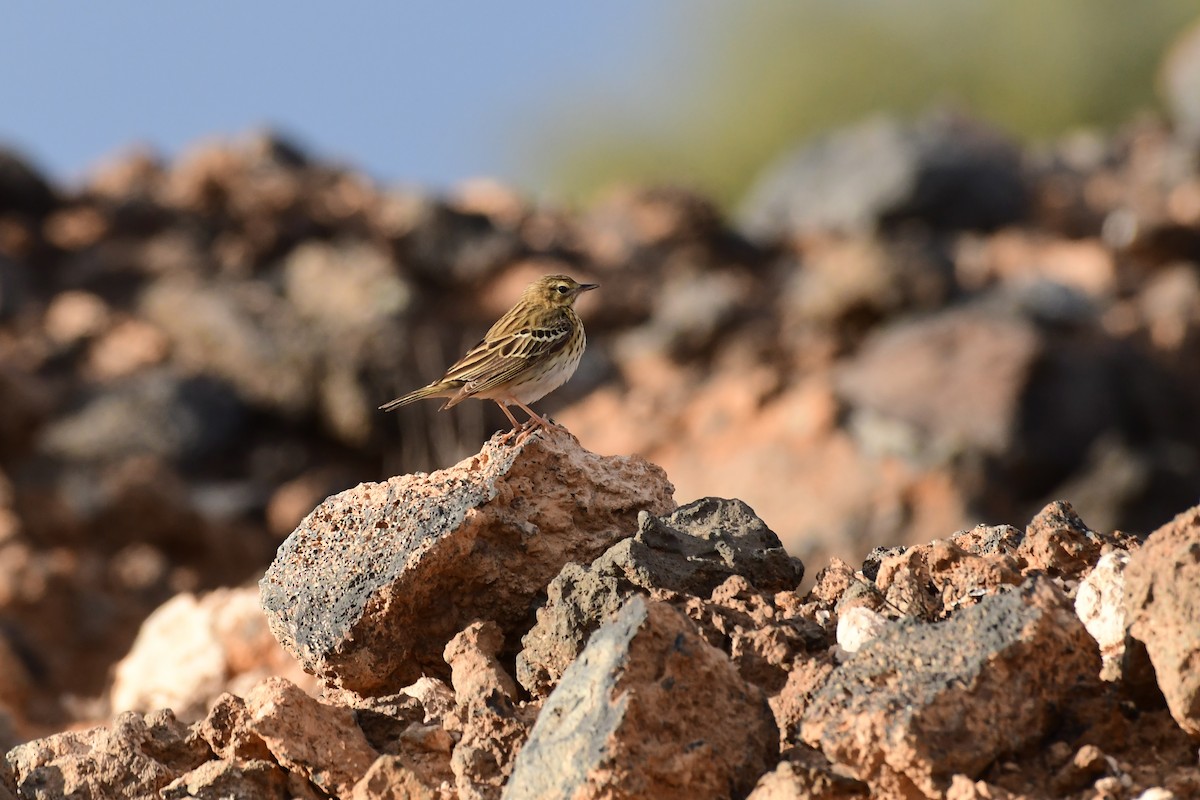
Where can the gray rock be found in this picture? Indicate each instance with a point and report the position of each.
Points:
(942, 170)
(176, 418)
(907, 712)
(370, 587)
(645, 712)
(690, 552)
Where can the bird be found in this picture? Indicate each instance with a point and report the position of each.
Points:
(531, 351)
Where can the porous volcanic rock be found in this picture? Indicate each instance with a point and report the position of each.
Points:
(690, 552)
(1162, 599)
(910, 710)
(373, 584)
(133, 758)
(645, 711)
(319, 742)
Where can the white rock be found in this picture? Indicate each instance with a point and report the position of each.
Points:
(857, 626)
(1099, 605)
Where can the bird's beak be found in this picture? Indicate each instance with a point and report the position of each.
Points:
(587, 287)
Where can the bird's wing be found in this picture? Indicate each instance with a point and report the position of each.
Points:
(499, 358)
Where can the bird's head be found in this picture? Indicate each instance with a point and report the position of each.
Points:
(557, 290)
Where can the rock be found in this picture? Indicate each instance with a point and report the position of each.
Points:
(453, 247)
(371, 586)
(930, 581)
(805, 773)
(1058, 542)
(790, 703)
(942, 170)
(857, 626)
(14, 287)
(963, 788)
(1088, 764)
(476, 673)
(226, 780)
(1162, 601)
(690, 552)
(494, 728)
(644, 712)
(390, 778)
(763, 634)
(191, 649)
(133, 758)
(242, 334)
(849, 284)
(345, 286)
(907, 713)
(1099, 604)
(227, 730)
(178, 419)
(956, 379)
(319, 742)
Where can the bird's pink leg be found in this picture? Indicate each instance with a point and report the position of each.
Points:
(507, 413)
(535, 417)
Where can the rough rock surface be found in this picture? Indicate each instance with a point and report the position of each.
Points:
(191, 650)
(1162, 599)
(322, 743)
(193, 349)
(908, 713)
(133, 758)
(371, 586)
(644, 712)
(690, 552)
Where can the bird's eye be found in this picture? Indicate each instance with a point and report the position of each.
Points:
(561, 289)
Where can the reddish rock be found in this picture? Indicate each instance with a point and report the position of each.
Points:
(227, 730)
(494, 730)
(390, 778)
(319, 742)
(244, 780)
(493, 726)
(805, 774)
(1162, 600)
(908, 712)
(763, 634)
(644, 712)
(476, 673)
(133, 758)
(371, 586)
(691, 552)
(929, 581)
(957, 378)
(192, 649)
(790, 703)
(1058, 542)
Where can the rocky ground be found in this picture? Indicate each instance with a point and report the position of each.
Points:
(538, 621)
(909, 329)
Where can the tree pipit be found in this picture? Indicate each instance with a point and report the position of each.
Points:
(531, 351)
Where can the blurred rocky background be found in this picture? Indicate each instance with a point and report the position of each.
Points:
(901, 326)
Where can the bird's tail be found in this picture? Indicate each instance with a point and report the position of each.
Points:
(442, 389)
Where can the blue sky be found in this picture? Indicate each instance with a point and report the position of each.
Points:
(426, 93)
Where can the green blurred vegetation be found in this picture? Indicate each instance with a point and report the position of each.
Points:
(734, 84)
